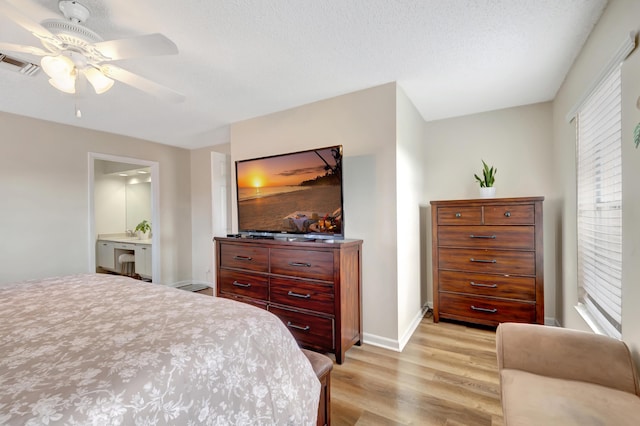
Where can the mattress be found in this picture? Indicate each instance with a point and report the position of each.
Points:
(106, 349)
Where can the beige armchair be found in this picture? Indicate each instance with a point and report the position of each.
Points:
(558, 376)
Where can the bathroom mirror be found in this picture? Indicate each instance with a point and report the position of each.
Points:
(138, 202)
(122, 196)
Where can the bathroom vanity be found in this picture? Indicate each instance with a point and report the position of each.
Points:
(110, 247)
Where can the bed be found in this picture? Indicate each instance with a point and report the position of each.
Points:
(106, 349)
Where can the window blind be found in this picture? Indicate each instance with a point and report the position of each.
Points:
(599, 203)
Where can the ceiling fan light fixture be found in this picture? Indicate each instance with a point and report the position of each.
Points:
(66, 85)
(57, 66)
(71, 49)
(100, 82)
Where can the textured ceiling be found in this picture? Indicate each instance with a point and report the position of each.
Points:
(246, 58)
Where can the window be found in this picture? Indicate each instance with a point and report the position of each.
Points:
(599, 204)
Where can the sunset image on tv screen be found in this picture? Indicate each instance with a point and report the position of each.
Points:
(292, 193)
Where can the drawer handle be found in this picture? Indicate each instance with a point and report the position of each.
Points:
(298, 327)
(483, 285)
(301, 296)
(301, 264)
(244, 258)
(491, 311)
(490, 237)
(458, 214)
(507, 214)
(238, 284)
(483, 260)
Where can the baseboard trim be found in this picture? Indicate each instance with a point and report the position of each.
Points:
(412, 328)
(396, 345)
(381, 342)
(551, 321)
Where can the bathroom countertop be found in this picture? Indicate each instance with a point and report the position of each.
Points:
(122, 238)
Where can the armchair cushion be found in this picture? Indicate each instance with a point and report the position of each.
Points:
(531, 399)
(557, 376)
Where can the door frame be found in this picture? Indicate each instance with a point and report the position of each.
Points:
(220, 204)
(155, 208)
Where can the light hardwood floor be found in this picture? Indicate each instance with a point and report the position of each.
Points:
(446, 375)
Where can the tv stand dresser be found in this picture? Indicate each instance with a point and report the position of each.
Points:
(488, 260)
(313, 286)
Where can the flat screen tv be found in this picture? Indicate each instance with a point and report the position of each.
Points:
(295, 193)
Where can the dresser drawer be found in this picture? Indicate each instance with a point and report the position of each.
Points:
(504, 237)
(303, 263)
(300, 294)
(509, 215)
(254, 302)
(244, 284)
(521, 288)
(460, 215)
(309, 330)
(485, 309)
(244, 257)
(488, 261)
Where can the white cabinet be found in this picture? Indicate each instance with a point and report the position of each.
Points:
(105, 257)
(109, 250)
(143, 260)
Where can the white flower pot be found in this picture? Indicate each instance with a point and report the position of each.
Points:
(489, 192)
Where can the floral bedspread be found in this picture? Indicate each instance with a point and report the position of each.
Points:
(100, 349)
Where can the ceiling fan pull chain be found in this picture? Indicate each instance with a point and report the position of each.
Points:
(76, 109)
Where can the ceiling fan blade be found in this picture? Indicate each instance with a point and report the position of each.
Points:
(24, 21)
(10, 47)
(145, 45)
(141, 83)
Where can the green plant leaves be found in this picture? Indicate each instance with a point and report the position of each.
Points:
(143, 226)
(488, 176)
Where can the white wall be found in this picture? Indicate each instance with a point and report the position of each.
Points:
(364, 123)
(518, 141)
(619, 18)
(409, 198)
(44, 188)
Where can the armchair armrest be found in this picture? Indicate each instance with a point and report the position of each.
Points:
(566, 354)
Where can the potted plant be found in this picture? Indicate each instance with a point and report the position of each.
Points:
(487, 190)
(143, 229)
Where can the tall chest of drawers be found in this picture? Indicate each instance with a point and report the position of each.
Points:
(313, 287)
(488, 260)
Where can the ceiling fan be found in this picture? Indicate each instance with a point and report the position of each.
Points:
(72, 52)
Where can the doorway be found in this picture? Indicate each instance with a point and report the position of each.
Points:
(143, 186)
